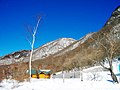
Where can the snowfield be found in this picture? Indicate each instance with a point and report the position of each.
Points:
(93, 79)
(57, 84)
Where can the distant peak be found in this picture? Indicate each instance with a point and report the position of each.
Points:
(67, 39)
(118, 8)
(115, 16)
(116, 12)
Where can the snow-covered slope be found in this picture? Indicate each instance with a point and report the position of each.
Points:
(39, 53)
(75, 44)
(52, 48)
(93, 79)
(14, 57)
(115, 16)
(57, 47)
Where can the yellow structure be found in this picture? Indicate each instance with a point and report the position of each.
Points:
(44, 74)
(41, 74)
(47, 76)
(34, 76)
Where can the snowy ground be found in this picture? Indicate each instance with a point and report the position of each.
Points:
(93, 79)
(57, 84)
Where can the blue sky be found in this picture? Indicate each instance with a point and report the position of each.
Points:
(60, 18)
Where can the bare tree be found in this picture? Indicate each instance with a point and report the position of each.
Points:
(31, 42)
(110, 46)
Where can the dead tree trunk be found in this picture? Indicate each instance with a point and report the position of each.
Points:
(113, 76)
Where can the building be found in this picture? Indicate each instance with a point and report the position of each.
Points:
(44, 74)
(40, 74)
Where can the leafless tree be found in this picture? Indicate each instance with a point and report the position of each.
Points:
(31, 42)
(110, 45)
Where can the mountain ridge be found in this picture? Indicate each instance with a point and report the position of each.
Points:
(43, 51)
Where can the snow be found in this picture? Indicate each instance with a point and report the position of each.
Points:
(57, 84)
(118, 9)
(105, 83)
(76, 44)
(52, 47)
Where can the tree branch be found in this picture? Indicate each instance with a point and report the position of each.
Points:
(103, 66)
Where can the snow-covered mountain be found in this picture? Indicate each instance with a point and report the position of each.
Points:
(115, 16)
(75, 44)
(57, 47)
(14, 57)
(88, 50)
(52, 48)
(39, 53)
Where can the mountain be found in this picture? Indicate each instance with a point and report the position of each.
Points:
(75, 44)
(52, 48)
(87, 51)
(115, 17)
(14, 57)
(67, 53)
(39, 53)
(57, 47)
